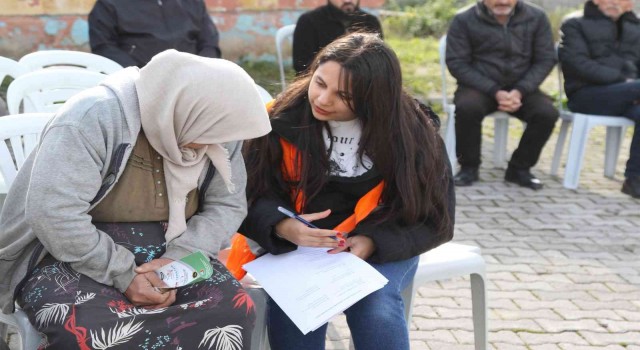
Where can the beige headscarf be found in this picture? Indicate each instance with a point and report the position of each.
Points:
(190, 99)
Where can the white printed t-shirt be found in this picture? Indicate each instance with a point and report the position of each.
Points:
(343, 159)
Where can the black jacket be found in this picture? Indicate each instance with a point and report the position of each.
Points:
(130, 32)
(317, 28)
(595, 50)
(394, 241)
(487, 56)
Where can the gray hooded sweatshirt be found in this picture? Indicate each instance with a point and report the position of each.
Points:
(81, 155)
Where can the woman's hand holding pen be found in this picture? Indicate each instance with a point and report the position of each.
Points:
(360, 246)
(302, 235)
(144, 289)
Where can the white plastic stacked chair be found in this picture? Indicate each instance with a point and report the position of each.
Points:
(22, 131)
(11, 68)
(500, 119)
(582, 125)
(284, 33)
(46, 90)
(63, 58)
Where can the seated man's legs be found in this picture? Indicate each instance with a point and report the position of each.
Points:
(631, 184)
(621, 100)
(540, 115)
(471, 108)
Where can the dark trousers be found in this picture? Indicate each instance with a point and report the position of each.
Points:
(472, 106)
(613, 100)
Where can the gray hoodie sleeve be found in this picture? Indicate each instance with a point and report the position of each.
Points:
(64, 179)
(221, 215)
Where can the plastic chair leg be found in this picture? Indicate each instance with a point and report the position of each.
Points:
(479, 305)
(450, 136)
(612, 149)
(557, 153)
(259, 336)
(575, 157)
(501, 130)
(407, 297)
(29, 336)
(4, 332)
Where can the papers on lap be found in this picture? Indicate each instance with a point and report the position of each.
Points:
(311, 286)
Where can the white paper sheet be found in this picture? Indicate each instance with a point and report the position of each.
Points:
(311, 286)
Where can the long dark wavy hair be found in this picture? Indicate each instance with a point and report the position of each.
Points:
(397, 135)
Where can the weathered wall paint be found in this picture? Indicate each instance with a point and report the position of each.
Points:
(247, 27)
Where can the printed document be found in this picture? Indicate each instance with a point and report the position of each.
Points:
(311, 286)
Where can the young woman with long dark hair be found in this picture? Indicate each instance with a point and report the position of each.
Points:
(361, 159)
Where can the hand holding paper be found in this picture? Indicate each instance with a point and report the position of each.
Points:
(311, 286)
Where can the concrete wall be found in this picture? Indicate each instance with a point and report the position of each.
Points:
(247, 27)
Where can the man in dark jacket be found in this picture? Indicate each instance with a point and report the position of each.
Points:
(130, 32)
(600, 54)
(500, 51)
(317, 28)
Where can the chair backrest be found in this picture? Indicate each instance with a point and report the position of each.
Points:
(284, 33)
(63, 58)
(46, 90)
(442, 51)
(264, 94)
(22, 132)
(11, 68)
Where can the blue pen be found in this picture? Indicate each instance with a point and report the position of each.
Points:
(297, 217)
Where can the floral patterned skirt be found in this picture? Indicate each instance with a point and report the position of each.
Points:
(76, 312)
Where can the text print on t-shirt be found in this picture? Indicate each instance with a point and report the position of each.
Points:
(344, 139)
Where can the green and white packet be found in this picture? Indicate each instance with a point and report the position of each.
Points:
(192, 268)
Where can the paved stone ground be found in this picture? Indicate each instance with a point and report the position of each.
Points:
(562, 265)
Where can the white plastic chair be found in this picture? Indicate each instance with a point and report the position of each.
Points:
(582, 125)
(447, 261)
(46, 90)
(500, 119)
(9, 67)
(30, 338)
(264, 94)
(63, 58)
(22, 131)
(452, 260)
(284, 33)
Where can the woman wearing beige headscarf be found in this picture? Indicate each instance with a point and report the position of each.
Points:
(128, 177)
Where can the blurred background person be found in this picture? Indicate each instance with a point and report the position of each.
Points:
(315, 29)
(130, 32)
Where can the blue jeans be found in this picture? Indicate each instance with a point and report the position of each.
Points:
(621, 99)
(376, 322)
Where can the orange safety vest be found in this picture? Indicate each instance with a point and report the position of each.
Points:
(240, 253)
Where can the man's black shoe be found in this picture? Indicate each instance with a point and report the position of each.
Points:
(631, 186)
(523, 177)
(466, 176)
